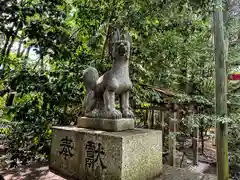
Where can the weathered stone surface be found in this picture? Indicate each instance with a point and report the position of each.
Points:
(101, 91)
(64, 162)
(106, 124)
(128, 155)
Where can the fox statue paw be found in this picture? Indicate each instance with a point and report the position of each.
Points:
(127, 113)
(113, 114)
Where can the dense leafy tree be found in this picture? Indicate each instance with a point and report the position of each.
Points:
(172, 48)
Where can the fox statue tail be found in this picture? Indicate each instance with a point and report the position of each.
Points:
(90, 77)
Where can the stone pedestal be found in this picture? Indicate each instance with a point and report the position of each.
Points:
(106, 124)
(84, 154)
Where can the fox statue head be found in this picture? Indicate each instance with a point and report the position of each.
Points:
(121, 45)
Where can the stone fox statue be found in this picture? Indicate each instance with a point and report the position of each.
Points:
(101, 91)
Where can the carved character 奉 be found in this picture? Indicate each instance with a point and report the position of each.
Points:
(101, 91)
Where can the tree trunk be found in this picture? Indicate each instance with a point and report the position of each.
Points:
(202, 139)
(8, 35)
(12, 40)
(42, 64)
(26, 58)
(10, 46)
(3, 52)
(5, 46)
(195, 145)
(19, 47)
(41, 60)
(10, 99)
(27, 53)
(221, 91)
(107, 41)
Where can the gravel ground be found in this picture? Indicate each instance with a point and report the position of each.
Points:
(170, 173)
(41, 172)
(30, 172)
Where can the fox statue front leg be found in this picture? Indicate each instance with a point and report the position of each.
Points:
(89, 102)
(125, 108)
(109, 105)
(93, 105)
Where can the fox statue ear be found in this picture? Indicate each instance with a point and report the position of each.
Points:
(129, 38)
(116, 36)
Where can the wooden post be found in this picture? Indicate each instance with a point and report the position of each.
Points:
(146, 119)
(172, 140)
(221, 91)
(195, 145)
(195, 139)
(149, 121)
(162, 125)
(152, 119)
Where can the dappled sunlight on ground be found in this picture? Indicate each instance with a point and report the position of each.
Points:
(41, 172)
(30, 172)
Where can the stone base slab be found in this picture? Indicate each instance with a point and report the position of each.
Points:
(106, 124)
(84, 154)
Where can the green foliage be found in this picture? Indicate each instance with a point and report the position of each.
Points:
(234, 138)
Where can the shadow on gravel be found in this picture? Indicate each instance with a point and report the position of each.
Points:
(38, 171)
